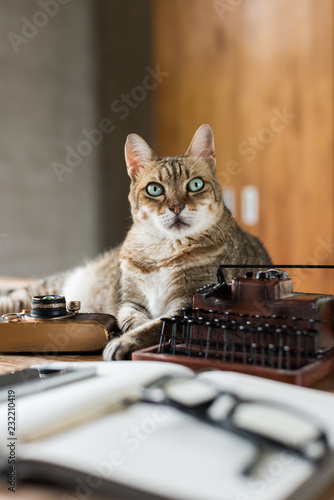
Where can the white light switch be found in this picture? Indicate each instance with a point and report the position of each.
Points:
(250, 205)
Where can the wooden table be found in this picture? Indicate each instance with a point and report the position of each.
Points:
(12, 363)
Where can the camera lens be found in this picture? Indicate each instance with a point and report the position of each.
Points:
(48, 306)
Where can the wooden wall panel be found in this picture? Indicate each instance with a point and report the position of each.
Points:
(261, 74)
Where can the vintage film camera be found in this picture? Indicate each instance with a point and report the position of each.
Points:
(257, 325)
(52, 326)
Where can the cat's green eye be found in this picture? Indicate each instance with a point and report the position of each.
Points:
(195, 185)
(154, 189)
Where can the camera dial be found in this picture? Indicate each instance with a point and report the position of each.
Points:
(51, 307)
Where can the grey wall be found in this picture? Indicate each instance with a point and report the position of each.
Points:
(63, 80)
(124, 51)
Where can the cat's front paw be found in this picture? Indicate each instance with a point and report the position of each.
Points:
(144, 336)
(120, 348)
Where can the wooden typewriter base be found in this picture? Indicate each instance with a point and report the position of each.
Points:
(305, 376)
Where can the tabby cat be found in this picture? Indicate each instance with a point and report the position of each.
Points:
(181, 232)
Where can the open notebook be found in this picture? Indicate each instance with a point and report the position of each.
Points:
(148, 451)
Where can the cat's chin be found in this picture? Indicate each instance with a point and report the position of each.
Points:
(178, 230)
(179, 225)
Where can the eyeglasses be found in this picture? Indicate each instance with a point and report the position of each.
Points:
(264, 423)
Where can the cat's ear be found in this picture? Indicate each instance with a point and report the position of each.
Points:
(137, 155)
(203, 146)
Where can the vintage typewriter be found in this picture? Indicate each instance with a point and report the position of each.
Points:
(256, 325)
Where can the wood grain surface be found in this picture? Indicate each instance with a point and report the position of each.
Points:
(10, 363)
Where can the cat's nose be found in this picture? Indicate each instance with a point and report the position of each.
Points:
(176, 209)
